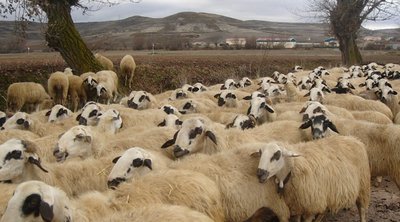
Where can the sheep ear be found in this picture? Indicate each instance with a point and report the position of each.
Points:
(103, 89)
(303, 110)
(217, 95)
(168, 143)
(289, 153)
(115, 160)
(308, 94)
(306, 124)
(269, 108)
(351, 86)
(178, 122)
(147, 98)
(78, 117)
(362, 85)
(248, 110)
(230, 125)
(212, 137)
(331, 126)
(393, 92)
(183, 112)
(36, 162)
(162, 123)
(247, 98)
(46, 211)
(48, 113)
(256, 154)
(223, 87)
(147, 163)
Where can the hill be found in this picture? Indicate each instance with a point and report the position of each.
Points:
(185, 26)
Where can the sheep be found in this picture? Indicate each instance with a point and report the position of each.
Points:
(23, 121)
(297, 68)
(109, 122)
(261, 111)
(200, 135)
(107, 86)
(316, 94)
(57, 85)
(196, 105)
(232, 171)
(389, 97)
(263, 214)
(244, 82)
(229, 84)
(76, 92)
(243, 122)
(198, 87)
(356, 103)
(179, 187)
(141, 100)
(25, 93)
(106, 63)
(168, 109)
(79, 142)
(89, 85)
(171, 120)
(127, 67)
(179, 94)
(227, 98)
(89, 114)
(58, 113)
(68, 71)
(380, 141)
(310, 190)
(135, 162)
(140, 118)
(37, 201)
(187, 88)
(22, 163)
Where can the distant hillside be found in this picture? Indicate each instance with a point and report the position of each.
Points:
(138, 31)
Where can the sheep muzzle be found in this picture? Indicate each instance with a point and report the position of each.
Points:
(262, 175)
(179, 152)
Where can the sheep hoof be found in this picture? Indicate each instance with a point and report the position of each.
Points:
(280, 191)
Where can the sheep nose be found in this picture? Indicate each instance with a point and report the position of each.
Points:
(179, 152)
(305, 117)
(82, 121)
(262, 175)
(221, 102)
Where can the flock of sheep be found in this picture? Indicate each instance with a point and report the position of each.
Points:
(237, 151)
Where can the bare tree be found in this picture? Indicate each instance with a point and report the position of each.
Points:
(346, 17)
(61, 33)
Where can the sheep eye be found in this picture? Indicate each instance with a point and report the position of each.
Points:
(141, 98)
(93, 113)
(20, 121)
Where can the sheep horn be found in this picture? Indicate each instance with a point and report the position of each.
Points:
(37, 162)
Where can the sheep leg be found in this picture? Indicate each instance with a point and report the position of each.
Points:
(320, 217)
(362, 211)
(308, 218)
(130, 81)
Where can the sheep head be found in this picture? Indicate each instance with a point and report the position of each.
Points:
(76, 142)
(134, 161)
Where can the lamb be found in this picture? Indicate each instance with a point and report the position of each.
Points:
(380, 142)
(133, 163)
(312, 191)
(200, 135)
(107, 87)
(25, 93)
(58, 84)
(104, 61)
(127, 67)
(232, 171)
(58, 113)
(22, 163)
(76, 92)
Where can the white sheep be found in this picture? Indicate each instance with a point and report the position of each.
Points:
(242, 122)
(201, 135)
(380, 141)
(107, 86)
(127, 67)
(89, 114)
(310, 190)
(58, 113)
(233, 170)
(25, 93)
(135, 162)
(104, 61)
(229, 84)
(109, 122)
(20, 162)
(57, 85)
(171, 120)
(89, 85)
(76, 92)
(141, 100)
(261, 110)
(3, 118)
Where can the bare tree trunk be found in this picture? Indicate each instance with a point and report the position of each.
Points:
(350, 53)
(62, 36)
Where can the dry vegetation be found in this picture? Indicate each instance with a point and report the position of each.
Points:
(168, 70)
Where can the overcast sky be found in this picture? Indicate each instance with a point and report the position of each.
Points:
(268, 10)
